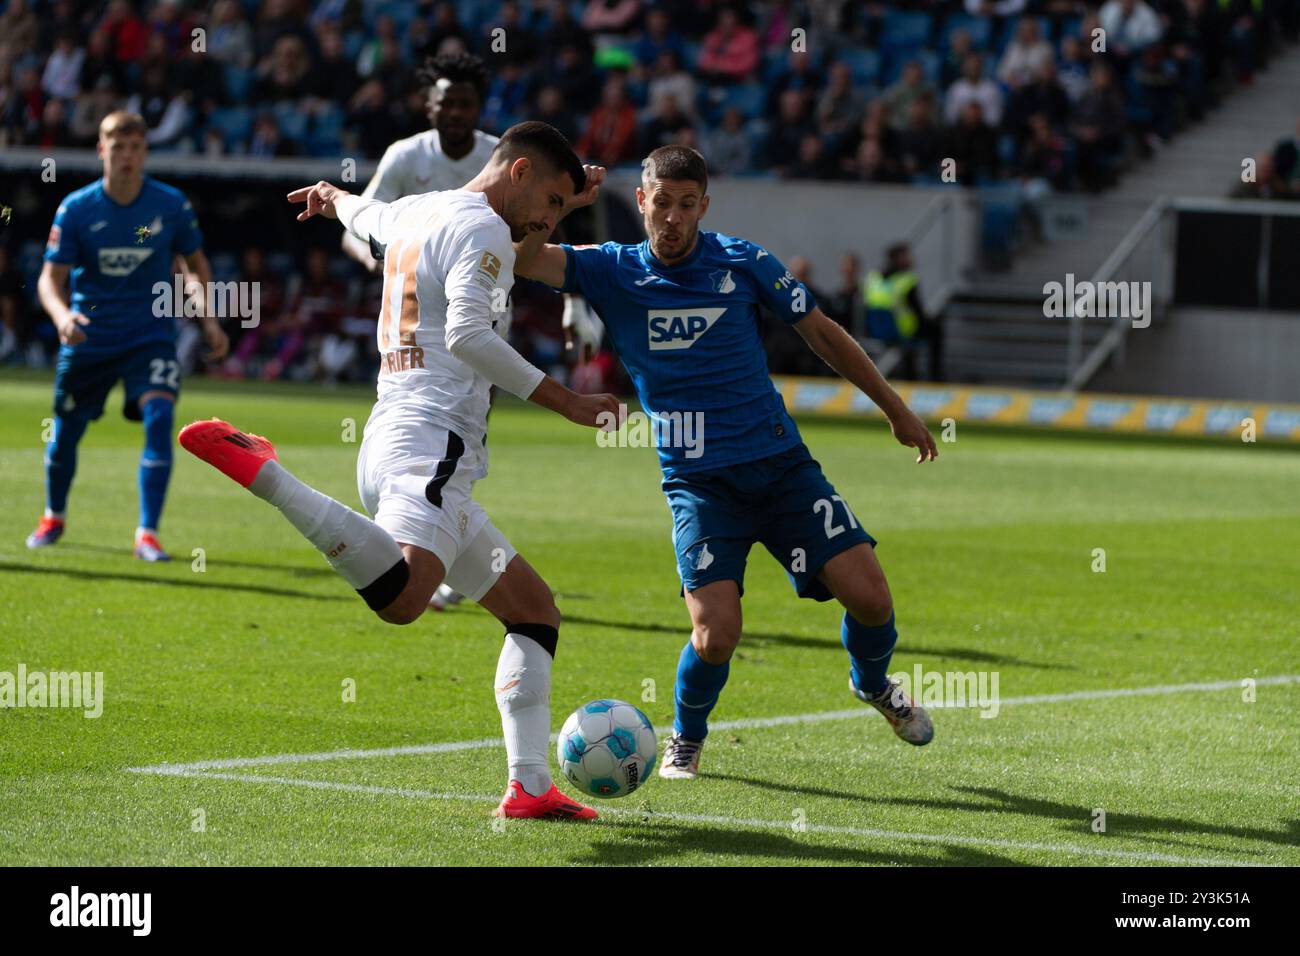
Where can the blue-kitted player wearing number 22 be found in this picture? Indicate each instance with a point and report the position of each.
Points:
(117, 239)
(682, 310)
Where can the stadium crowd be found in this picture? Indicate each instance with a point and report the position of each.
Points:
(1021, 92)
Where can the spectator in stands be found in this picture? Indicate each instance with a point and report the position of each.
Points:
(1130, 26)
(267, 140)
(90, 110)
(285, 74)
(960, 48)
(1041, 164)
(799, 73)
(166, 110)
(659, 36)
(995, 8)
(62, 76)
(520, 46)
(168, 20)
(1042, 96)
(21, 112)
(1073, 71)
(730, 53)
(1097, 125)
(666, 120)
(128, 32)
(841, 106)
(610, 138)
(1025, 56)
(230, 36)
(335, 75)
(667, 78)
(906, 90)
(13, 331)
(729, 151)
(563, 30)
(374, 125)
(1267, 182)
(275, 19)
(53, 131)
(19, 28)
(551, 109)
(571, 73)
(921, 142)
(973, 87)
(610, 17)
(787, 132)
(507, 97)
(814, 160)
(973, 144)
(1155, 85)
(876, 125)
(845, 304)
(100, 61)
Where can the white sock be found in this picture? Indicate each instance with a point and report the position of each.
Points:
(356, 547)
(523, 687)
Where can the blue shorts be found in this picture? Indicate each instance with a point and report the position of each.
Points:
(783, 502)
(82, 380)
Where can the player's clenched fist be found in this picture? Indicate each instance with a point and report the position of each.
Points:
(320, 200)
(594, 411)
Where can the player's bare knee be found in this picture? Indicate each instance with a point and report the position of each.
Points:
(715, 641)
(871, 605)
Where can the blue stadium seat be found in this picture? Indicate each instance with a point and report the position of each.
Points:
(352, 44)
(747, 97)
(865, 65)
(292, 121)
(225, 266)
(1009, 31)
(235, 123)
(326, 135)
(905, 31)
(929, 60)
(280, 263)
(239, 83)
(979, 28)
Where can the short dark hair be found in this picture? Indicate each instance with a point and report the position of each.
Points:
(455, 68)
(676, 162)
(541, 141)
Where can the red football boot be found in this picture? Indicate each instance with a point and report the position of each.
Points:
(551, 805)
(236, 455)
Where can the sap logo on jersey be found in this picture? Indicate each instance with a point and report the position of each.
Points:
(121, 260)
(680, 328)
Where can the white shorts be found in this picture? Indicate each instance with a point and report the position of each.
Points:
(415, 479)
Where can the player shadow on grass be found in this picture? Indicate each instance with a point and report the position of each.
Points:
(1142, 827)
(296, 571)
(754, 640)
(652, 840)
(186, 582)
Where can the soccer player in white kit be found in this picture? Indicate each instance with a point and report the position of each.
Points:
(444, 157)
(448, 270)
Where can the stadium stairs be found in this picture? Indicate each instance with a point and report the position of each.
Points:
(995, 328)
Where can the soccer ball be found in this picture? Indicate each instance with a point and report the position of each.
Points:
(606, 748)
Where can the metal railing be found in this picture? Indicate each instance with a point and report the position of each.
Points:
(1147, 254)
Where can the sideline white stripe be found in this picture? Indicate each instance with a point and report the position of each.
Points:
(744, 724)
(753, 824)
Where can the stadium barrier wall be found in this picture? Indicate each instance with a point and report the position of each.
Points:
(1130, 414)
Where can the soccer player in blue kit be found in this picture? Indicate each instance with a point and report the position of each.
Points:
(117, 238)
(682, 310)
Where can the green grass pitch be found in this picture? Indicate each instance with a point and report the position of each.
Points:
(990, 554)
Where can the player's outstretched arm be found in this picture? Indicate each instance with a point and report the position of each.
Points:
(841, 352)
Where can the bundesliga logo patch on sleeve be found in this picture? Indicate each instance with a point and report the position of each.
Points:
(490, 264)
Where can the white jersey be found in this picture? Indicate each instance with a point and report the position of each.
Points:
(448, 271)
(417, 164)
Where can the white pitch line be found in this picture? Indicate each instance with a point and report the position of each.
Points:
(743, 724)
(751, 824)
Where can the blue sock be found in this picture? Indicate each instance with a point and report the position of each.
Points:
(156, 460)
(698, 685)
(61, 460)
(870, 649)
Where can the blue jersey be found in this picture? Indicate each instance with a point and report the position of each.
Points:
(118, 255)
(689, 336)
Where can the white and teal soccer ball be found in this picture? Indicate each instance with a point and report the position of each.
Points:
(607, 748)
